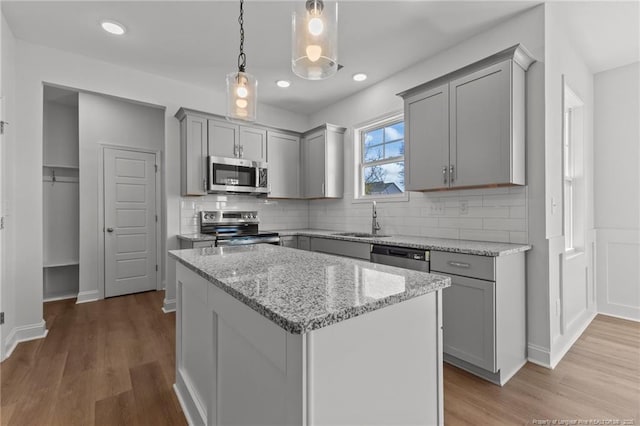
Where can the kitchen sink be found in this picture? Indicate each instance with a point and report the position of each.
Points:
(360, 235)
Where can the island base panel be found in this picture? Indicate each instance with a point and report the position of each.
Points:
(236, 367)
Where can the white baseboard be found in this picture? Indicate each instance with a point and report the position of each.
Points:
(88, 296)
(557, 356)
(61, 297)
(607, 314)
(539, 355)
(24, 333)
(169, 306)
(189, 406)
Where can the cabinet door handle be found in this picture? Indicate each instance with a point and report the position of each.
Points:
(444, 174)
(109, 229)
(459, 264)
(235, 150)
(241, 151)
(452, 174)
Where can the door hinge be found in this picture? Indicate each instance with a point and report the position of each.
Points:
(1, 223)
(1, 318)
(156, 267)
(156, 218)
(2, 124)
(156, 166)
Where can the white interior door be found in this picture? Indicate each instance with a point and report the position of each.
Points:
(130, 221)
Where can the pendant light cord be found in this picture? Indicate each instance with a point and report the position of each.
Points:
(242, 58)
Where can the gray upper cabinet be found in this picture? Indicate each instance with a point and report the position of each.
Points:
(252, 144)
(467, 128)
(283, 156)
(303, 166)
(223, 138)
(481, 130)
(232, 140)
(427, 126)
(323, 162)
(193, 154)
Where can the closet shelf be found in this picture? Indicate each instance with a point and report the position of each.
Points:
(61, 264)
(60, 166)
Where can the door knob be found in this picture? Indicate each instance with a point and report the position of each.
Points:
(109, 229)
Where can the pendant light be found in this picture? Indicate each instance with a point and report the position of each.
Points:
(242, 87)
(315, 39)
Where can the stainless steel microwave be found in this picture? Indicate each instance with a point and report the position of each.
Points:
(237, 175)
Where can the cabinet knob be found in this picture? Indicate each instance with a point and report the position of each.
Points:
(452, 174)
(109, 229)
(444, 174)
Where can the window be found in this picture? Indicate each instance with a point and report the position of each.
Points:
(381, 159)
(573, 171)
(568, 182)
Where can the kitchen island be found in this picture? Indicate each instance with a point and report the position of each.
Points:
(272, 335)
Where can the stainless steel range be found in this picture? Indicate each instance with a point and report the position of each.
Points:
(235, 228)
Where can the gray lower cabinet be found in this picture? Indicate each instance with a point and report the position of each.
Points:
(484, 313)
(341, 248)
(468, 309)
(289, 241)
(184, 244)
(283, 157)
(304, 243)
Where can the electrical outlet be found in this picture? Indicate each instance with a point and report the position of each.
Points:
(464, 207)
(437, 208)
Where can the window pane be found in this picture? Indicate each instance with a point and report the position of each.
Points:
(394, 132)
(373, 137)
(394, 149)
(374, 153)
(385, 179)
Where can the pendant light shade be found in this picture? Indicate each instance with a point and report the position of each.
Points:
(315, 39)
(242, 94)
(242, 87)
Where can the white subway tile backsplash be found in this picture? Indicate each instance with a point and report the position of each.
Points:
(505, 224)
(484, 235)
(467, 223)
(493, 214)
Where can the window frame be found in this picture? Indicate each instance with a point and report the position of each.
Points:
(572, 110)
(359, 164)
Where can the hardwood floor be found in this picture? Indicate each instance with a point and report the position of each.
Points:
(598, 379)
(112, 363)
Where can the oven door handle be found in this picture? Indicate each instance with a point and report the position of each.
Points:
(247, 241)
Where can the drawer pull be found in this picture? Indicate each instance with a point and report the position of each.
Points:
(459, 264)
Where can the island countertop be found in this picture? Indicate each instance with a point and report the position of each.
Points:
(302, 291)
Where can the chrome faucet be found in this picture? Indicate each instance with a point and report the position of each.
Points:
(375, 226)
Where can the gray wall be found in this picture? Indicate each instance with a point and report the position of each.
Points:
(103, 121)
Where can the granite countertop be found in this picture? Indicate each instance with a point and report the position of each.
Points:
(480, 248)
(303, 291)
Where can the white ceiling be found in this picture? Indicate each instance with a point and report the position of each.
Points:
(197, 41)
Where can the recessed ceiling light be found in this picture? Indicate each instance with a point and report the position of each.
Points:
(283, 83)
(359, 76)
(113, 27)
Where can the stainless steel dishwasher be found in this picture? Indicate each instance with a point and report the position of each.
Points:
(402, 257)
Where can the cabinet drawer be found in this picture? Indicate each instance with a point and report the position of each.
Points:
(204, 244)
(467, 265)
(341, 248)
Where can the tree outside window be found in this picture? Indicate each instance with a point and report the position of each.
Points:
(382, 159)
